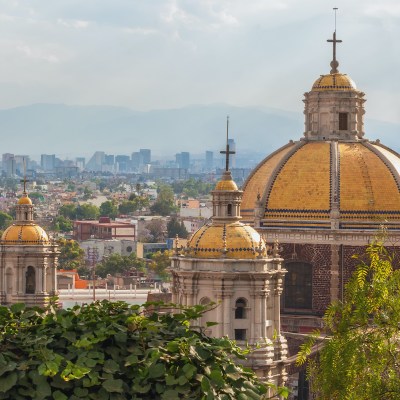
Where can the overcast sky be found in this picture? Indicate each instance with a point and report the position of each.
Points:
(152, 54)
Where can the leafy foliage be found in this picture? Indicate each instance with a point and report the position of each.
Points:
(164, 205)
(62, 224)
(174, 227)
(192, 187)
(114, 351)
(361, 357)
(71, 254)
(5, 220)
(160, 262)
(108, 209)
(115, 263)
(84, 211)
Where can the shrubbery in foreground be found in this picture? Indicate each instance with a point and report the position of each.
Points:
(115, 351)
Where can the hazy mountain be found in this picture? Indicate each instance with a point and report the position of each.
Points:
(81, 130)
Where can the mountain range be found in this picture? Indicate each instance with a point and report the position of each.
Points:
(70, 131)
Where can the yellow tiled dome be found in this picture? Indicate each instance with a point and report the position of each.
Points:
(28, 234)
(296, 186)
(337, 81)
(25, 200)
(226, 185)
(231, 240)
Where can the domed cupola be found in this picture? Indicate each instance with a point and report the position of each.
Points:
(334, 108)
(225, 236)
(24, 230)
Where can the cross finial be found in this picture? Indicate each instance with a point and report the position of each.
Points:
(24, 181)
(334, 62)
(227, 152)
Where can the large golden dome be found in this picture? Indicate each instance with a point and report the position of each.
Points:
(229, 240)
(335, 81)
(25, 234)
(308, 183)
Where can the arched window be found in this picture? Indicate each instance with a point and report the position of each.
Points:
(30, 281)
(297, 292)
(240, 308)
(229, 210)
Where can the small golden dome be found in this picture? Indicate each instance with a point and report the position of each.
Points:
(332, 82)
(30, 234)
(226, 185)
(25, 200)
(234, 241)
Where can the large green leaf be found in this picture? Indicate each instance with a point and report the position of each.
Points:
(8, 381)
(113, 385)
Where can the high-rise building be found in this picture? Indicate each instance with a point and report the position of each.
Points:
(96, 162)
(183, 159)
(80, 163)
(48, 162)
(146, 155)
(8, 164)
(136, 161)
(209, 164)
(123, 163)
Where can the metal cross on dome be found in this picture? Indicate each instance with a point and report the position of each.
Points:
(25, 180)
(227, 152)
(334, 63)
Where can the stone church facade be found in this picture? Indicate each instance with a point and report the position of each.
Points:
(324, 197)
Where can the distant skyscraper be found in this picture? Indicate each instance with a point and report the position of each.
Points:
(209, 165)
(136, 161)
(48, 162)
(122, 162)
(109, 159)
(80, 163)
(146, 155)
(183, 159)
(96, 162)
(8, 162)
(22, 163)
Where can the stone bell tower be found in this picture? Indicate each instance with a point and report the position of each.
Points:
(228, 263)
(28, 259)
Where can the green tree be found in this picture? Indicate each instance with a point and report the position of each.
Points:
(83, 211)
(108, 209)
(174, 227)
(160, 262)
(108, 350)
(5, 220)
(165, 203)
(87, 211)
(115, 263)
(361, 354)
(68, 211)
(62, 224)
(71, 254)
(36, 197)
(127, 207)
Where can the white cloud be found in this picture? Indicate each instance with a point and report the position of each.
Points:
(76, 24)
(37, 53)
